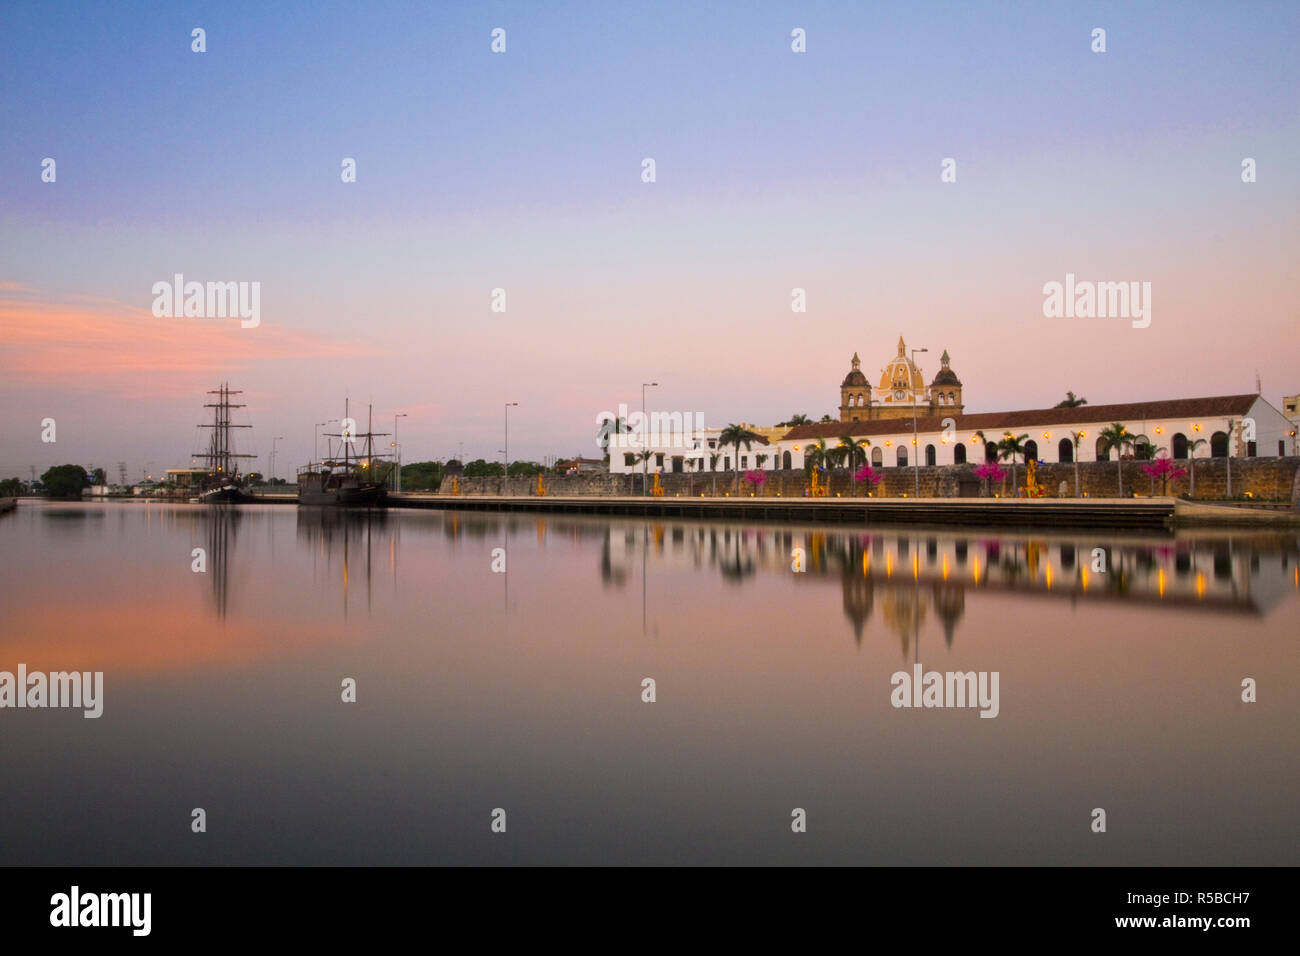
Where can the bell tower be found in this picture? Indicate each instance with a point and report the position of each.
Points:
(855, 394)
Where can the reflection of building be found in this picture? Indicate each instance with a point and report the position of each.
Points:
(908, 573)
(949, 604)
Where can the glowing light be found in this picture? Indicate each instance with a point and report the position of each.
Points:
(1048, 575)
(945, 567)
(1200, 585)
(889, 565)
(1160, 582)
(975, 570)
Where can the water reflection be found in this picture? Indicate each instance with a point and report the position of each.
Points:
(910, 574)
(342, 543)
(772, 681)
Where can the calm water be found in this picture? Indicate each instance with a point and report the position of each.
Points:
(478, 690)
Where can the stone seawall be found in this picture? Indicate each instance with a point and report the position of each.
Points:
(1266, 479)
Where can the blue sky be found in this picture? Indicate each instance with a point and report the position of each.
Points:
(775, 170)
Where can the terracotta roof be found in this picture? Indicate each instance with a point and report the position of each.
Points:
(1129, 412)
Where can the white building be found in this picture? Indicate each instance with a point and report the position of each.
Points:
(1245, 426)
(693, 450)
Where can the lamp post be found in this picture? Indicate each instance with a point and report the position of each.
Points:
(273, 441)
(645, 460)
(916, 447)
(315, 439)
(505, 478)
(397, 473)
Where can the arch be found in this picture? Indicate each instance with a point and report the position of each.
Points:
(990, 451)
(900, 456)
(1103, 453)
(1065, 451)
(877, 458)
(1219, 445)
(1179, 442)
(930, 456)
(785, 460)
(1031, 450)
(959, 454)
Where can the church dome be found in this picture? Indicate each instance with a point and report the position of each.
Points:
(855, 376)
(946, 375)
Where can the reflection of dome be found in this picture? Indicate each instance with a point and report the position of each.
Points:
(859, 597)
(950, 604)
(904, 613)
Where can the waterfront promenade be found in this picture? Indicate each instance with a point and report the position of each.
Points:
(1146, 513)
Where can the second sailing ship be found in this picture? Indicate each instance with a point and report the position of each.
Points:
(347, 475)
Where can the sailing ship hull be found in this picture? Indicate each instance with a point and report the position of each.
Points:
(225, 495)
(361, 496)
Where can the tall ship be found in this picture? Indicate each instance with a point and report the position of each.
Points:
(346, 477)
(223, 483)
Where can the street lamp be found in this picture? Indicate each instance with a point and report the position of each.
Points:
(916, 447)
(273, 441)
(645, 457)
(397, 473)
(315, 439)
(505, 478)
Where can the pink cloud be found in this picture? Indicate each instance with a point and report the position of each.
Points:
(104, 346)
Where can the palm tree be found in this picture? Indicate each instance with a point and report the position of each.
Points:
(1116, 436)
(853, 450)
(1071, 401)
(641, 457)
(1010, 447)
(713, 467)
(737, 435)
(1192, 445)
(760, 460)
(799, 420)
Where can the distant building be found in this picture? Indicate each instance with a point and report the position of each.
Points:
(187, 479)
(581, 466)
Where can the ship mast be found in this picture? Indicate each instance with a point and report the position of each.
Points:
(219, 454)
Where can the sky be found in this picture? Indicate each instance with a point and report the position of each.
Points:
(522, 171)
